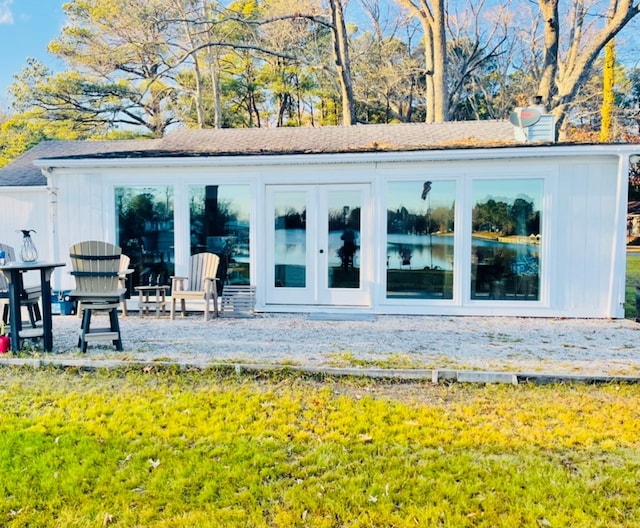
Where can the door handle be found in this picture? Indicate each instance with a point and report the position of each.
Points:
(321, 251)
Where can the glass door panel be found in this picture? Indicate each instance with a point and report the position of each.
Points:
(343, 270)
(290, 244)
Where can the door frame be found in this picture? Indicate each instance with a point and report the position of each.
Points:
(316, 291)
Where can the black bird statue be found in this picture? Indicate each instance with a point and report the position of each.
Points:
(425, 189)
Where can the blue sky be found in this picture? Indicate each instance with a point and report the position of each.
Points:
(26, 28)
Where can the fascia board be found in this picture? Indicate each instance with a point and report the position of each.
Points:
(346, 158)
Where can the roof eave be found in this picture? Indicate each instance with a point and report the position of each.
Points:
(276, 158)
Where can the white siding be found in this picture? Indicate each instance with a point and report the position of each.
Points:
(586, 229)
(84, 212)
(26, 208)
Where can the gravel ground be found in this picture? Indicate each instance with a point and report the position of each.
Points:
(504, 344)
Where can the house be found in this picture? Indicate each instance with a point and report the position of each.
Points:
(447, 219)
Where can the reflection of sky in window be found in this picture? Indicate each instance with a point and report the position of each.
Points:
(287, 202)
(508, 191)
(338, 200)
(158, 193)
(407, 195)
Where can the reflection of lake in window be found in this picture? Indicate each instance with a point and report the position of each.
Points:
(420, 239)
(290, 244)
(505, 248)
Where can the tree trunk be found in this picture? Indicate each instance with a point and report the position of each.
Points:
(215, 89)
(430, 109)
(197, 73)
(546, 87)
(440, 106)
(432, 19)
(343, 63)
(608, 95)
(213, 73)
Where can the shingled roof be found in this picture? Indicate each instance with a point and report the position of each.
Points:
(265, 141)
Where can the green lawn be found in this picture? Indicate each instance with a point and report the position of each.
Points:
(633, 278)
(164, 448)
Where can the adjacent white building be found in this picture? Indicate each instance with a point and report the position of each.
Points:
(449, 219)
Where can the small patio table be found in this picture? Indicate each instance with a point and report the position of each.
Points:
(159, 301)
(13, 271)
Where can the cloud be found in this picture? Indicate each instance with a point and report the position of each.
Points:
(6, 17)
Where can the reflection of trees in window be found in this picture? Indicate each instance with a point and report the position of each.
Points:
(520, 218)
(419, 256)
(292, 219)
(347, 216)
(210, 224)
(505, 264)
(219, 226)
(145, 231)
(442, 219)
(134, 212)
(526, 220)
(634, 177)
(402, 221)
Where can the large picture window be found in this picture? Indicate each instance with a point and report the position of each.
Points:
(145, 232)
(420, 235)
(506, 227)
(219, 220)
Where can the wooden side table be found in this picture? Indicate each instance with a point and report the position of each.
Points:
(146, 302)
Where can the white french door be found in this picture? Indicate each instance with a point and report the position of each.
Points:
(318, 245)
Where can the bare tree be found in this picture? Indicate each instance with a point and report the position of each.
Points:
(477, 36)
(342, 61)
(335, 22)
(188, 10)
(384, 64)
(431, 14)
(292, 82)
(572, 42)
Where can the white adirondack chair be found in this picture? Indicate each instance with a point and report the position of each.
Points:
(199, 285)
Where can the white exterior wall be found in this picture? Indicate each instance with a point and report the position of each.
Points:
(83, 211)
(585, 227)
(26, 208)
(583, 217)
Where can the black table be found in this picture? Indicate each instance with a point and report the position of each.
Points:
(13, 271)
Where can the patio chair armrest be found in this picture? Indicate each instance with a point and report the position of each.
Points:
(177, 283)
(123, 276)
